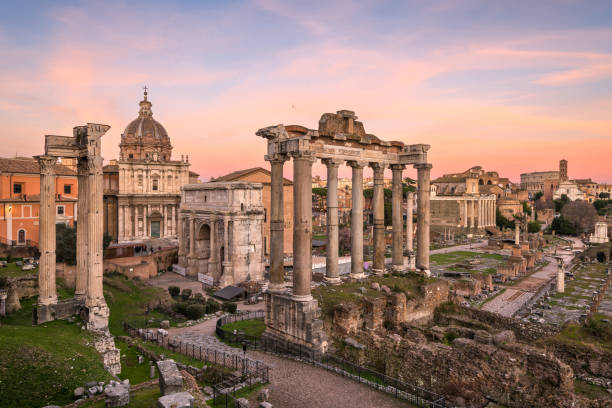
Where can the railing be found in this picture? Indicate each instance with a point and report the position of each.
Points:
(224, 395)
(208, 355)
(399, 389)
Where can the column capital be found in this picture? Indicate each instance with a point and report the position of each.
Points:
(306, 156)
(423, 166)
(397, 167)
(377, 166)
(357, 164)
(47, 164)
(276, 159)
(332, 162)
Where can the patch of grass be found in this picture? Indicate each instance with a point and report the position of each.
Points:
(590, 391)
(41, 365)
(145, 398)
(460, 256)
(595, 332)
(13, 271)
(253, 328)
(130, 368)
(181, 358)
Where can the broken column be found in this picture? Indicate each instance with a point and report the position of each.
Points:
(357, 220)
(277, 226)
(47, 295)
(3, 296)
(396, 209)
(423, 217)
(378, 209)
(332, 274)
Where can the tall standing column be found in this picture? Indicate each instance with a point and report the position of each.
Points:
(225, 240)
(302, 226)
(181, 239)
(472, 211)
(46, 276)
(95, 296)
(332, 274)
(397, 193)
(378, 204)
(165, 219)
(465, 213)
(192, 237)
(409, 221)
(277, 226)
(173, 220)
(82, 236)
(480, 213)
(357, 220)
(423, 216)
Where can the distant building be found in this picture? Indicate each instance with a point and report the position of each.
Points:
(20, 199)
(263, 176)
(569, 189)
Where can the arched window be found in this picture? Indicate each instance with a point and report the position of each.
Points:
(480, 182)
(21, 236)
(489, 183)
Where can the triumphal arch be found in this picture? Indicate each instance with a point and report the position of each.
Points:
(340, 139)
(88, 301)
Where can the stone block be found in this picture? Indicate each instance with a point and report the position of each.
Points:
(242, 403)
(265, 405)
(117, 395)
(504, 337)
(264, 395)
(79, 392)
(165, 324)
(176, 400)
(170, 379)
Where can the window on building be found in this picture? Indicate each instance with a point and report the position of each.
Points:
(155, 184)
(17, 188)
(21, 236)
(131, 156)
(67, 188)
(140, 181)
(60, 210)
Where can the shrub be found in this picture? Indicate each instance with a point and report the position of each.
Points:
(212, 306)
(230, 307)
(180, 307)
(533, 227)
(195, 311)
(186, 294)
(198, 297)
(174, 291)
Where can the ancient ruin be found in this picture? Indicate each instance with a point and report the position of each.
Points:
(340, 139)
(221, 230)
(85, 146)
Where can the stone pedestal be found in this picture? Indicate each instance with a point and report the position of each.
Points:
(294, 321)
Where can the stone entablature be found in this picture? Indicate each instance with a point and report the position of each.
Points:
(221, 226)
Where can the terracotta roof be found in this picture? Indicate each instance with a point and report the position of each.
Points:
(237, 175)
(193, 174)
(30, 166)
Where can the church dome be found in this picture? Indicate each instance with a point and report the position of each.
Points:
(144, 138)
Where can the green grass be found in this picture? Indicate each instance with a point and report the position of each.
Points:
(252, 328)
(41, 365)
(598, 334)
(145, 398)
(460, 256)
(13, 271)
(130, 368)
(181, 358)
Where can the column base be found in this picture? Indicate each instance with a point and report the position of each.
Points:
(378, 272)
(295, 322)
(358, 276)
(80, 297)
(425, 272)
(43, 313)
(332, 281)
(301, 298)
(277, 288)
(399, 268)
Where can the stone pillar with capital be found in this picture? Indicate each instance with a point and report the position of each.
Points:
(472, 212)
(213, 259)
(465, 213)
(332, 274)
(423, 216)
(378, 208)
(82, 235)
(46, 275)
(277, 226)
(95, 296)
(410, 230)
(302, 226)
(357, 220)
(396, 198)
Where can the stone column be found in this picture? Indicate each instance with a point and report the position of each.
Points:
(213, 259)
(465, 213)
(173, 218)
(277, 227)
(357, 220)
(165, 216)
(225, 240)
(95, 296)
(423, 217)
(480, 212)
(410, 230)
(82, 235)
(181, 238)
(517, 233)
(3, 296)
(378, 208)
(302, 226)
(560, 276)
(46, 241)
(332, 274)
(472, 211)
(192, 237)
(119, 223)
(397, 193)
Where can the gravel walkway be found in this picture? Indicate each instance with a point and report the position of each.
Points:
(297, 385)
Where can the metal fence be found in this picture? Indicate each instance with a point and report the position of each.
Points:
(224, 396)
(206, 354)
(401, 390)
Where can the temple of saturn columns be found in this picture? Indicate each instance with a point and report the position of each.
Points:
(340, 139)
(85, 146)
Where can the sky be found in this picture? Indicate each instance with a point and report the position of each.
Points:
(512, 86)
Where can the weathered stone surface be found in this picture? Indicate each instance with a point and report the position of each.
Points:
(504, 337)
(375, 286)
(117, 395)
(354, 343)
(170, 379)
(264, 395)
(79, 392)
(176, 400)
(265, 405)
(165, 324)
(242, 403)
(385, 289)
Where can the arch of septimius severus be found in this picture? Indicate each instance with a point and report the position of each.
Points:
(291, 314)
(85, 146)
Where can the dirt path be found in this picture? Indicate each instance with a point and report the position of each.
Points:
(297, 385)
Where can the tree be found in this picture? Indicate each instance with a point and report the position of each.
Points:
(581, 214)
(501, 221)
(526, 207)
(320, 191)
(408, 186)
(560, 202)
(65, 243)
(533, 227)
(563, 226)
(604, 195)
(538, 195)
(544, 204)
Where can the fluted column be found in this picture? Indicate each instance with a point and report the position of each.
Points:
(277, 226)
(174, 222)
(480, 213)
(165, 218)
(332, 274)
(472, 211)
(357, 220)
(302, 226)
(82, 235)
(378, 208)
(181, 238)
(423, 216)
(409, 221)
(397, 193)
(95, 296)
(46, 275)
(225, 240)
(465, 213)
